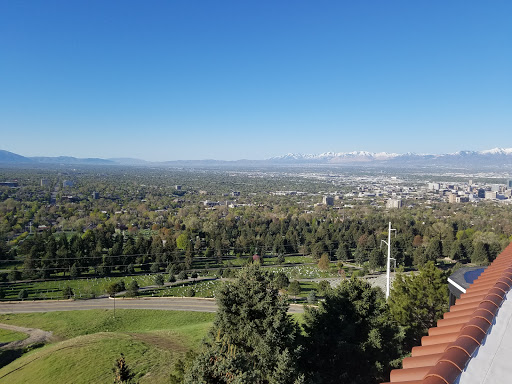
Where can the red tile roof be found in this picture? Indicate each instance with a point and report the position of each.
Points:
(449, 347)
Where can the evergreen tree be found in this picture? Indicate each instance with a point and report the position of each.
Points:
(480, 254)
(458, 252)
(294, 288)
(133, 288)
(343, 252)
(377, 259)
(360, 255)
(159, 280)
(418, 300)
(67, 292)
(350, 337)
(419, 257)
(74, 272)
(253, 339)
(434, 250)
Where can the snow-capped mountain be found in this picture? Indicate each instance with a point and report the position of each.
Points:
(496, 156)
(337, 156)
(497, 151)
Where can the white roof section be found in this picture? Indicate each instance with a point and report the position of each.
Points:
(492, 363)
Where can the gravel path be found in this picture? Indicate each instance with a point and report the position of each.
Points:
(34, 336)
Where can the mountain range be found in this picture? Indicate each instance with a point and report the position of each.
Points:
(497, 157)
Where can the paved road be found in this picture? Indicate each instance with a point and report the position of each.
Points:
(167, 303)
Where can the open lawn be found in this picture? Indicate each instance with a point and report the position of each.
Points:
(189, 288)
(7, 336)
(91, 341)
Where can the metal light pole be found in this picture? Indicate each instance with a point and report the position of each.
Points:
(388, 243)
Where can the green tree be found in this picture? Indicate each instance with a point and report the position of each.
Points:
(323, 263)
(74, 272)
(67, 292)
(480, 254)
(376, 260)
(419, 257)
(434, 250)
(281, 280)
(155, 267)
(132, 289)
(349, 337)
(159, 280)
(418, 300)
(182, 241)
(14, 274)
(311, 297)
(23, 294)
(294, 288)
(253, 339)
(343, 252)
(458, 251)
(113, 288)
(182, 275)
(323, 287)
(360, 255)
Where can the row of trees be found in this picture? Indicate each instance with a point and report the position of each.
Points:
(104, 249)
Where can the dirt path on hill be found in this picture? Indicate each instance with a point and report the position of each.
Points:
(34, 336)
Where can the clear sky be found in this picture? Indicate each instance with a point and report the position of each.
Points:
(168, 80)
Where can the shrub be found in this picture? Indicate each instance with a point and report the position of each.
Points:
(182, 275)
(67, 292)
(23, 294)
(133, 288)
(159, 280)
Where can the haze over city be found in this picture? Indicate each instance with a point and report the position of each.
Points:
(232, 80)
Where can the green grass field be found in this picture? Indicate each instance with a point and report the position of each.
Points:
(91, 341)
(7, 336)
(83, 288)
(187, 288)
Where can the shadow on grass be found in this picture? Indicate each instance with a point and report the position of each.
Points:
(7, 356)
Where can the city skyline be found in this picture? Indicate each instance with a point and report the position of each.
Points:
(227, 81)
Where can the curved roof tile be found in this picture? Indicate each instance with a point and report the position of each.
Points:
(449, 347)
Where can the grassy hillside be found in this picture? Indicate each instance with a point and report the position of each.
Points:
(92, 340)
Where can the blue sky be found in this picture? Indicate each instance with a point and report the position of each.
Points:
(167, 80)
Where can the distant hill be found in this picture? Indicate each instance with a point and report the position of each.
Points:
(129, 161)
(72, 160)
(12, 158)
(493, 158)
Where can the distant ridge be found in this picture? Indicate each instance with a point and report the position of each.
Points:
(9, 157)
(496, 157)
(72, 160)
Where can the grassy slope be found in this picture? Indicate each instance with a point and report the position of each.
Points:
(150, 340)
